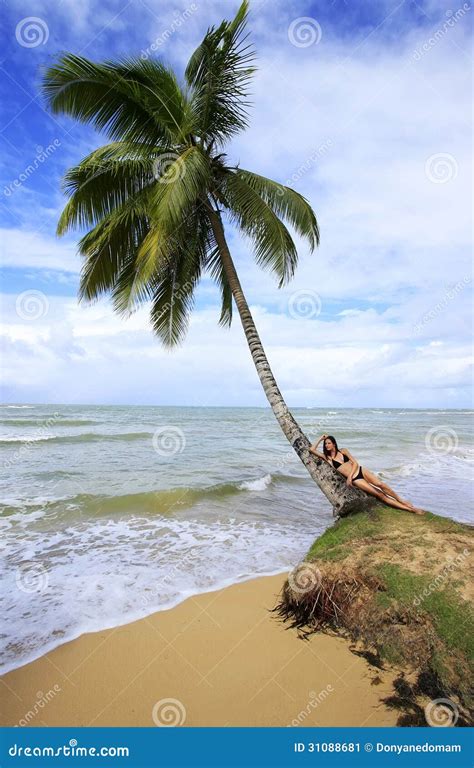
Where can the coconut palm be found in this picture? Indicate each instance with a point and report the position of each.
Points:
(152, 200)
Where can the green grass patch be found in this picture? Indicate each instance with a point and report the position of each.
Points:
(451, 616)
(332, 545)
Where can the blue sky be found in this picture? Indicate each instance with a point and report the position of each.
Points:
(364, 108)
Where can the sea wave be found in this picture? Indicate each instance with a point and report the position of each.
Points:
(17, 406)
(160, 502)
(453, 463)
(58, 422)
(90, 437)
(256, 485)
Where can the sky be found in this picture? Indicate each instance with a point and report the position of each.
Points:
(363, 107)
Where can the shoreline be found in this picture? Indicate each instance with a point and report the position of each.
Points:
(132, 618)
(219, 658)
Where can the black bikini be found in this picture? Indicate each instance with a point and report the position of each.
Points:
(337, 464)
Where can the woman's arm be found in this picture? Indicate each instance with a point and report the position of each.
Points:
(312, 448)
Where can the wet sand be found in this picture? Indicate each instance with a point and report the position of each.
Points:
(217, 659)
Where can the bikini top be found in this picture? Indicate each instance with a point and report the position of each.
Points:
(337, 464)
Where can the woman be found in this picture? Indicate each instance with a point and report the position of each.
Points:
(342, 460)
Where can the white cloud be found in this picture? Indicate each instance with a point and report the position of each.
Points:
(365, 130)
(87, 354)
(29, 249)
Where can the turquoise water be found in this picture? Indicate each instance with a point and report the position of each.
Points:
(110, 513)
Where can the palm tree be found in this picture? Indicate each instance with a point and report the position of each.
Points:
(152, 199)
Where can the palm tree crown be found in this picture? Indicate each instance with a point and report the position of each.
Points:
(148, 199)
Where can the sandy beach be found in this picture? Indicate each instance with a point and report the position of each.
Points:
(217, 659)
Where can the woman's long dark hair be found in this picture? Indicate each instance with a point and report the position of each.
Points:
(333, 440)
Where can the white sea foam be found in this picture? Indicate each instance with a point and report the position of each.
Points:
(17, 406)
(84, 587)
(447, 464)
(25, 438)
(256, 485)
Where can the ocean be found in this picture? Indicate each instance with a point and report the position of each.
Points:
(110, 513)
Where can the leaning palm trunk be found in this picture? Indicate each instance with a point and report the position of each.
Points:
(343, 499)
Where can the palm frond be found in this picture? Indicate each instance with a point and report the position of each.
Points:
(130, 100)
(182, 179)
(104, 180)
(110, 245)
(219, 73)
(216, 269)
(173, 288)
(286, 203)
(274, 247)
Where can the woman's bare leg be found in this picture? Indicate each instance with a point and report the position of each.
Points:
(370, 489)
(378, 483)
